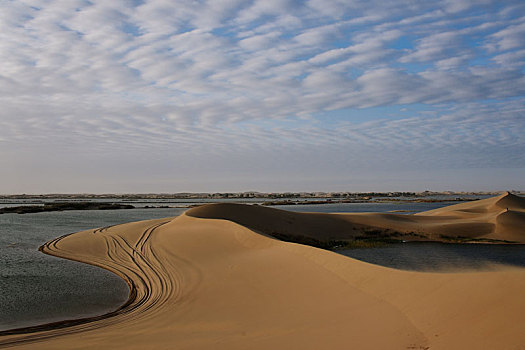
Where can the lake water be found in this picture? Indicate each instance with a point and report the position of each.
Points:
(398, 207)
(36, 288)
(433, 256)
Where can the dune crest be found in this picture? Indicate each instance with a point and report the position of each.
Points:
(510, 201)
(495, 204)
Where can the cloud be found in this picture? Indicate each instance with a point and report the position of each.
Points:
(511, 59)
(259, 42)
(233, 78)
(434, 47)
(508, 38)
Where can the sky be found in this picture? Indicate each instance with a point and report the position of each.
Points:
(172, 96)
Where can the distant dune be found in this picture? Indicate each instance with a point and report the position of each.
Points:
(500, 218)
(213, 279)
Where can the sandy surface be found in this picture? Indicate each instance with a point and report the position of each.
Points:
(212, 279)
(497, 218)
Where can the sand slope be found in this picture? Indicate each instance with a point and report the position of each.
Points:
(503, 216)
(497, 218)
(209, 283)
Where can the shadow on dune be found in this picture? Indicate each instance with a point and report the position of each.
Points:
(498, 219)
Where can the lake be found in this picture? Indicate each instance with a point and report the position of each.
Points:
(434, 256)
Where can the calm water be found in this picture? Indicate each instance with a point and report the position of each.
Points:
(431, 256)
(399, 208)
(36, 288)
(137, 203)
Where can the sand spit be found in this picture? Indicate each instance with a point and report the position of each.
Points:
(203, 282)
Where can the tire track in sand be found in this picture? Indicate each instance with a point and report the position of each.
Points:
(137, 263)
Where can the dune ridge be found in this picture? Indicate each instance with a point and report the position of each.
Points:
(500, 218)
(201, 281)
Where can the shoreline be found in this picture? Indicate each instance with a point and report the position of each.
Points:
(74, 321)
(80, 204)
(138, 295)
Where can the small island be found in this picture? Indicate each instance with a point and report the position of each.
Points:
(25, 209)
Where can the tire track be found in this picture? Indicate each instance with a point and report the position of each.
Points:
(138, 264)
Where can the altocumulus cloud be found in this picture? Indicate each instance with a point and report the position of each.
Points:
(258, 93)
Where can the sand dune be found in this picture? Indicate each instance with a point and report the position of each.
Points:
(207, 280)
(497, 218)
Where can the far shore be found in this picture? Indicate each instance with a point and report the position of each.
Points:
(25, 209)
(61, 202)
(247, 195)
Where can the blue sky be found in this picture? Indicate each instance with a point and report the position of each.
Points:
(273, 95)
